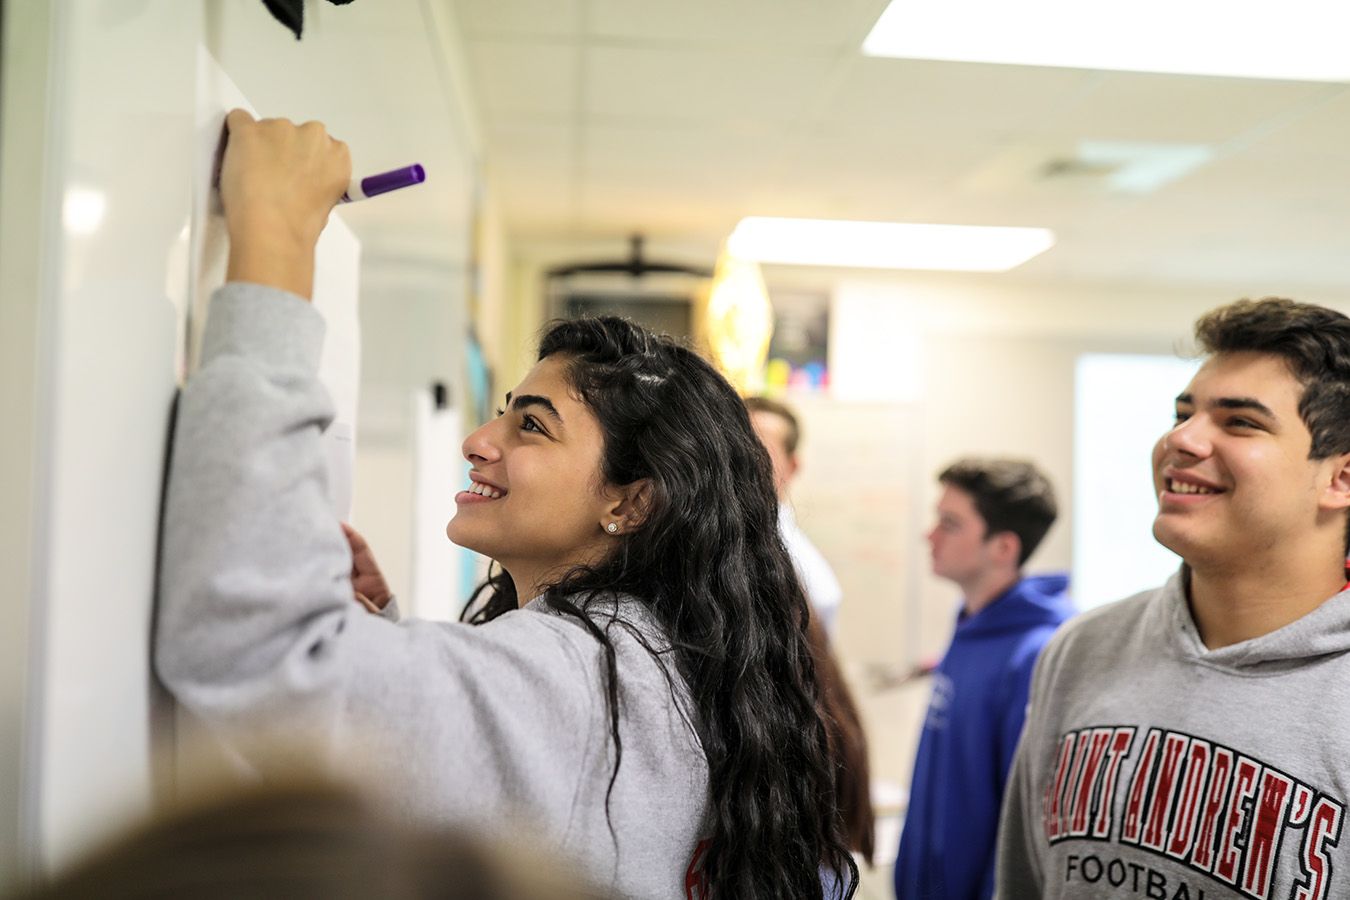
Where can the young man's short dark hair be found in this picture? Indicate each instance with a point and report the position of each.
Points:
(768, 405)
(1313, 340)
(1009, 495)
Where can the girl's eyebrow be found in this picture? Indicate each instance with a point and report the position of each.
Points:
(525, 400)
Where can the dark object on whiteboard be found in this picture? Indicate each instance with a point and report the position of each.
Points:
(440, 398)
(291, 13)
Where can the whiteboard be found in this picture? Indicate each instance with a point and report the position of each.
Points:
(119, 255)
(336, 280)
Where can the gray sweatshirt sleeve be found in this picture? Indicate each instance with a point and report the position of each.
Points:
(257, 628)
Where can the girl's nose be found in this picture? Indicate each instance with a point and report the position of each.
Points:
(481, 446)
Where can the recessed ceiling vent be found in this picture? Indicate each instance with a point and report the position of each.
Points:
(1073, 167)
(1128, 167)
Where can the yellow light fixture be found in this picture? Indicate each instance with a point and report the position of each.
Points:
(738, 320)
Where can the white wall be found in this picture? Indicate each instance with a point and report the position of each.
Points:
(24, 55)
(94, 297)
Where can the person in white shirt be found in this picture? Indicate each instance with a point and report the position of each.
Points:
(779, 431)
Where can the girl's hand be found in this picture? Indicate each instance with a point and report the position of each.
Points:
(368, 584)
(278, 183)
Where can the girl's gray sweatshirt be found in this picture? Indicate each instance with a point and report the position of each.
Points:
(503, 728)
(1153, 767)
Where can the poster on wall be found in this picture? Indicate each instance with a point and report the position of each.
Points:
(799, 350)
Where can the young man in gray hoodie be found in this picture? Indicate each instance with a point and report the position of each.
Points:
(1187, 742)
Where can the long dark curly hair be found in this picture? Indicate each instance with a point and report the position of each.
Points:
(709, 563)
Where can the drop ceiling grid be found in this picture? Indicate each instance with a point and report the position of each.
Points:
(680, 117)
(630, 60)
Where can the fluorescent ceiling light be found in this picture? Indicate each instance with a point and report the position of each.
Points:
(886, 245)
(1301, 40)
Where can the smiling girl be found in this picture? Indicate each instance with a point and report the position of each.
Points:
(634, 686)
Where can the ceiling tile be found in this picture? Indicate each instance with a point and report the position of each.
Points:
(1319, 127)
(511, 78)
(697, 85)
(655, 209)
(534, 208)
(1176, 108)
(717, 154)
(519, 18)
(523, 144)
(913, 96)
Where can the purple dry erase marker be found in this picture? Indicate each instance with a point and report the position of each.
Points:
(383, 183)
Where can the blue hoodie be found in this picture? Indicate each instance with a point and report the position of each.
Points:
(974, 719)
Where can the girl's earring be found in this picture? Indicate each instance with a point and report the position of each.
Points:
(612, 527)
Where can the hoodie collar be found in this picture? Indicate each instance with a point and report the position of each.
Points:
(1324, 631)
(1034, 600)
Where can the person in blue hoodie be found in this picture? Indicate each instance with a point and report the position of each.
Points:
(991, 516)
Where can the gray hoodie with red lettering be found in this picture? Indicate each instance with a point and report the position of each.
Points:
(1153, 767)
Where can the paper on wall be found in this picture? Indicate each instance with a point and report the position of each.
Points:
(437, 474)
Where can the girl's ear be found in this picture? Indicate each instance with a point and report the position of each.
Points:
(629, 504)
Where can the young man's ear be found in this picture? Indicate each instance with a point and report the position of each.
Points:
(1007, 547)
(1337, 493)
(629, 504)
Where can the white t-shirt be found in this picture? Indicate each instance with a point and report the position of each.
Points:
(818, 580)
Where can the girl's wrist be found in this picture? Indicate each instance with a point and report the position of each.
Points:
(274, 257)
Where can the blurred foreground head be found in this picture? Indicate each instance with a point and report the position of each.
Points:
(306, 843)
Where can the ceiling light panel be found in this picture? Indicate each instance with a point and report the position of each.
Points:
(886, 245)
(1295, 40)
